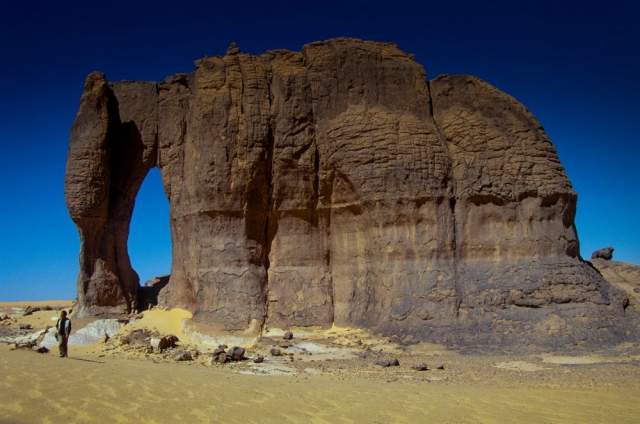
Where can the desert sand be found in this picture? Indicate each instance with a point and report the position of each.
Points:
(105, 382)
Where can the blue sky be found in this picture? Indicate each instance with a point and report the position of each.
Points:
(575, 65)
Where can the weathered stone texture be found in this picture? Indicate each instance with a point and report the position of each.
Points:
(338, 185)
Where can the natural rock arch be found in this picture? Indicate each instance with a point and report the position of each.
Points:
(338, 185)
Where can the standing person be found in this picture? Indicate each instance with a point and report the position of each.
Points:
(63, 327)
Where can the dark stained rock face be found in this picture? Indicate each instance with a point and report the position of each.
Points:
(338, 185)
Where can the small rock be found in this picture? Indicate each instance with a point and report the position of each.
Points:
(275, 352)
(259, 359)
(221, 358)
(25, 345)
(284, 345)
(166, 342)
(4, 317)
(636, 289)
(288, 335)
(223, 346)
(30, 310)
(26, 327)
(183, 356)
(388, 362)
(41, 349)
(420, 367)
(440, 366)
(237, 353)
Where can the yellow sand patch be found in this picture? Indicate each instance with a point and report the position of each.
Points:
(519, 366)
(171, 321)
(587, 359)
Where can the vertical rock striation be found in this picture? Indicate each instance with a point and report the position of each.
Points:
(338, 185)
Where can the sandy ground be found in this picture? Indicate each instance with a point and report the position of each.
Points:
(106, 383)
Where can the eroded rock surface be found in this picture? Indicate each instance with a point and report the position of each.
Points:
(338, 185)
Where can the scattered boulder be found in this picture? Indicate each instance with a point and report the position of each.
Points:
(288, 335)
(420, 367)
(275, 352)
(163, 343)
(605, 253)
(220, 356)
(234, 354)
(388, 362)
(258, 359)
(237, 353)
(30, 310)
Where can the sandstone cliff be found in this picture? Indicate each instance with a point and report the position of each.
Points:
(338, 185)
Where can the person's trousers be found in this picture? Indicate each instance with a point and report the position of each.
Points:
(62, 346)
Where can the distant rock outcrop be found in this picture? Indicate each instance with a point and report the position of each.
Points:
(338, 185)
(605, 253)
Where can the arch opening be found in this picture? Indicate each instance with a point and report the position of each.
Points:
(149, 243)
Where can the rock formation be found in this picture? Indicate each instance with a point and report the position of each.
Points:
(605, 253)
(338, 185)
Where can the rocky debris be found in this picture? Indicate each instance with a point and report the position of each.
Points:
(605, 253)
(29, 310)
(258, 359)
(183, 355)
(139, 336)
(325, 145)
(26, 327)
(234, 354)
(24, 345)
(420, 367)
(220, 357)
(387, 362)
(275, 352)
(288, 335)
(160, 344)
